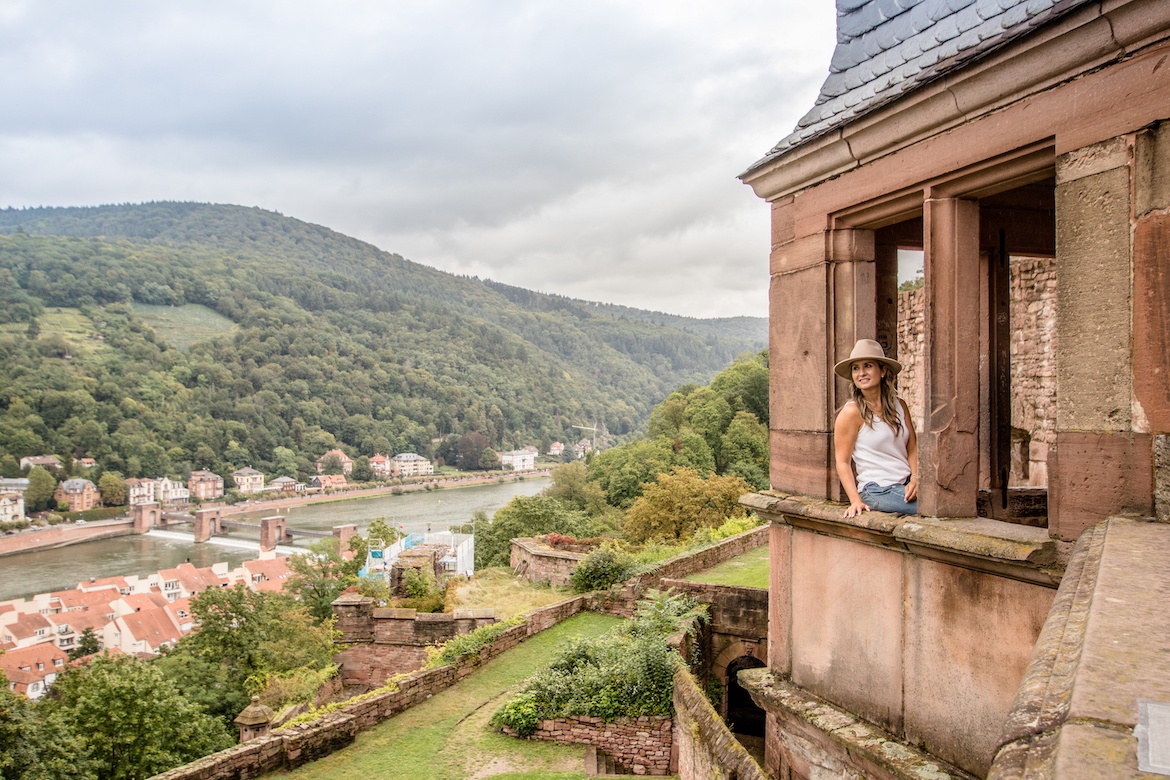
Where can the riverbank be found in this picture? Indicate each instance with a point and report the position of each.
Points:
(66, 534)
(437, 483)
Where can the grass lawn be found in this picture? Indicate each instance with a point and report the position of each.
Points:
(447, 737)
(749, 570)
(504, 592)
(184, 325)
(70, 324)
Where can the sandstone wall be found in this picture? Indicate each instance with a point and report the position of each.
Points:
(1033, 357)
(641, 745)
(706, 747)
(622, 600)
(63, 535)
(538, 562)
(292, 746)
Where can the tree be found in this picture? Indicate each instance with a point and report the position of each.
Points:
(622, 471)
(41, 485)
(745, 386)
(18, 751)
(244, 633)
(87, 644)
(9, 467)
(571, 486)
(745, 446)
(361, 470)
(488, 460)
(113, 489)
(681, 502)
(331, 464)
(284, 462)
(526, 516)
(134, 721)
(320, 576)
(469, 449)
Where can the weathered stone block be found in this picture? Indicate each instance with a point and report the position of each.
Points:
(969, 636)
(1093, 475)
(847, 625)
(1093, 299)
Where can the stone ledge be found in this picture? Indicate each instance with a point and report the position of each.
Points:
(1105, 645)
(537, 547)
(1005, 549)
(864, 742)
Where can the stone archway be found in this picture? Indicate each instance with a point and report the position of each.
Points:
(733, 650)
(743, 715)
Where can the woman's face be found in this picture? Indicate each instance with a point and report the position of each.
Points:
(867, 374)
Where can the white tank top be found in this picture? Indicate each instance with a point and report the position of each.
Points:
(880, 456)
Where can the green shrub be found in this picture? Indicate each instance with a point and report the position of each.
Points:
(601, 568)
(468, 644)
(626, 673)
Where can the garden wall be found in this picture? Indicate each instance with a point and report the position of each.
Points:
(538, 562)
(706, 747)
(640, 745)
(292, 746)
(622, 600)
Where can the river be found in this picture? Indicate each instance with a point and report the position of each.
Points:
(48, 570)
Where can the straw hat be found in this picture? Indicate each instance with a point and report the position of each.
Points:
(866, 349)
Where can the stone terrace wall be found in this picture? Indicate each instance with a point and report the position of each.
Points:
(393, 641)
(63, 535)
(290, 747)
(621, 600)
(706, 747)
(1033, 351)
(641, 745)
(536, 561)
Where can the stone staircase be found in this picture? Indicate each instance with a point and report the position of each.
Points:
(598, 763)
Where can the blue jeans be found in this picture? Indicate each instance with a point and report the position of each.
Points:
(890, 498)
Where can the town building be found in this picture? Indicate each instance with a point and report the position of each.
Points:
(186, 580)
(518, 460)
(31, 670)
(345, 461)
(78, 494)
(556, 449)
(169, 492)
(248, 480)
(382, 466)
(1016, 627)
(322, 481)
(205, 485)
(11, 507)
(409, 464)
(87, 463)
(49, 462)
(286, 485)
(140, 491)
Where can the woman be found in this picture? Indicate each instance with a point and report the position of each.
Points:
(874, 431)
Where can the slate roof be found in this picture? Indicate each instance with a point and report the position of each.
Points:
(889, 48)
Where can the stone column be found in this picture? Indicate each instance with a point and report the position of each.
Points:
(1103, 459)
(949, 445)
(820, 272)
(206, 524)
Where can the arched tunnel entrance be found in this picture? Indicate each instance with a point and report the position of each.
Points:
(744, 717)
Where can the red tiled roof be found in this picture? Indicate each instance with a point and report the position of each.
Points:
(43, 653)
(153, 626)
(27, 625)
(141, 602)
(274, 572)
(192, 579)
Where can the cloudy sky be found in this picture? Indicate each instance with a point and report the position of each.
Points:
(585, 148)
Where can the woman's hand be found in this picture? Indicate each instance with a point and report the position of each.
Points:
(912, 488)
(856, 508)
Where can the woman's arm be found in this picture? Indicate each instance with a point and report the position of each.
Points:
(845, 432)
(911, 453)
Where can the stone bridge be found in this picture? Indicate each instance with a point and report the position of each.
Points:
(210, 522)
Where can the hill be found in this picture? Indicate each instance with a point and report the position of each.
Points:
(212, 336)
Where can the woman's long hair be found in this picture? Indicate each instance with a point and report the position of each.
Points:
(890, 404)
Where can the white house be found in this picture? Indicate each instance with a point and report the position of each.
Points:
(518, 460)
(409, 464)
(11, 507)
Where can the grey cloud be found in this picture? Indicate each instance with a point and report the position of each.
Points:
(586, 149)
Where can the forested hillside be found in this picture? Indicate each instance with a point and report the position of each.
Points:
(334, 342)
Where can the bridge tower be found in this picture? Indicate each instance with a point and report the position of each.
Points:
(146, 516)
(272, 532)
(343, 533)
(206, 524)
